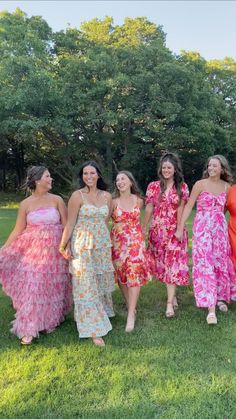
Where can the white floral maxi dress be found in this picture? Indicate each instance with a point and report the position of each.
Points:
(92, 272)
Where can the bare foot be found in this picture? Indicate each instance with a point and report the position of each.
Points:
(26, 340)
(98, 341)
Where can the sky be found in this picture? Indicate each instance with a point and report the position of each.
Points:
(208, 27)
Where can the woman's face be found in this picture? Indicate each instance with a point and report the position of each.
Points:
(45, 181)
(167, 170)
(90, 176)
(214, 167)
(123, 183)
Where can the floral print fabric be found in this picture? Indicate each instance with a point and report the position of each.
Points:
(214, 277)
(170, 255)
(36, 276)
(92, 272)
(129, 255)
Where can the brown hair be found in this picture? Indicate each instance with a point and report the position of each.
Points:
(178, 173)
(226, 174)
(134, 186)
(34, 173)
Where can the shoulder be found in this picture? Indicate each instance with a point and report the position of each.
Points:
(200, 185)
(76, 196)
(24, 205)
(140, 202)
(107, 194)
(58, 199)
(153, 186)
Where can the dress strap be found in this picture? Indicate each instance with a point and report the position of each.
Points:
(82, 196)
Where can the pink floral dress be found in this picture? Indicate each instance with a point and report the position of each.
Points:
(35, 275)
(170, 255)
(129, 255)
(214, 277)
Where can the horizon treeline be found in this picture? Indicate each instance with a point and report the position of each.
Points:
(113, 93)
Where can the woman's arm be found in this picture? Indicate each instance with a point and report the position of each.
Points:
(147, 216)
(19, 226)
(74, 205)
(110, 206)
(62, 210)
(197, 189)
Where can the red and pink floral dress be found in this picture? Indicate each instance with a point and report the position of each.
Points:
(129, 255)
(170, 255)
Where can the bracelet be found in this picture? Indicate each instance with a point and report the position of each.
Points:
(62, 248)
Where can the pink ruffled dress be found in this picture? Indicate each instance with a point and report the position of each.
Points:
(35, 276)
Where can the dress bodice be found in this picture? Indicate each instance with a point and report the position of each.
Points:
(47, 215)
(90, 230)
(121, 216)
(211, 203)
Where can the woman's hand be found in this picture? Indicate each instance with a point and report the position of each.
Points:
(66, 253)
(179, 235)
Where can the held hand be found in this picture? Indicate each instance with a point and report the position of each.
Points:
(179, 235)
(66, 253)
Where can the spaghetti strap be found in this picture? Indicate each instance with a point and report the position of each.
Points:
(82, 195)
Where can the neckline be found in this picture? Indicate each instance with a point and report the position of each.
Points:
(122, 209)
(42, 208)
(215, 196)
(92, 205)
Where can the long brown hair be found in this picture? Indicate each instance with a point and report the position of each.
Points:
(178, 173)
(134, 189)
(226, 174)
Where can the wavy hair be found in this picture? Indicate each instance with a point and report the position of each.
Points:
(134, 186)
(178, 173)
(226, 173)
(101, 184)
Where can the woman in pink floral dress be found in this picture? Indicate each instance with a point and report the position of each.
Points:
(32, 271)
(214, 278)
(128, 245)
(164, 206)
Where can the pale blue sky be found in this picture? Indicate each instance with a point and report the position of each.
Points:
(205, 26)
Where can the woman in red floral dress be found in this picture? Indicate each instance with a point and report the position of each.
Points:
(164, 206)
(128, 246)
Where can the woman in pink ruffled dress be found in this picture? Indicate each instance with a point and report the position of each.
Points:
(214, 278)
(32, 271)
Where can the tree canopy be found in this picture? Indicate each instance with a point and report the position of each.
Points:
(114, 93)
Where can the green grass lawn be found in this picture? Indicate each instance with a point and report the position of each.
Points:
(167, 368)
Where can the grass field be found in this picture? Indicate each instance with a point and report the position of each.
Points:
(167, 368)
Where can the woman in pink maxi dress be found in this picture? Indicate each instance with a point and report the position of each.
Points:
(165, 200)
(214, 278)
(32, 271)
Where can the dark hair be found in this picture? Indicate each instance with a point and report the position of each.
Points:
(178, 173)
(34, 173)
(101, 184)
(134, 186)
(226, 174)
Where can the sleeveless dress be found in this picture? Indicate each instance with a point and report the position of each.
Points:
(129, 255)
(231, 207)
(214, 277)
(92, 271)
(170, 255)
(35, 276)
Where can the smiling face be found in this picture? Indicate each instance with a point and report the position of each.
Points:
(167, 170)
(123, 183)
(214, 168)
(90, 176)
(45, 181)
